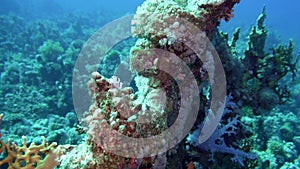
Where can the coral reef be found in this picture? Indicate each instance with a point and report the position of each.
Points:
(173, 72)
(266, 70)
(276, 137)
(32, 93)
(217, 142)
(260, 84)
(116, 108)
(257, 92)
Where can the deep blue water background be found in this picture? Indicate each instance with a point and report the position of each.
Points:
(283, 16)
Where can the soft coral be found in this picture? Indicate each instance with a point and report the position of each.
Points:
(216, 142)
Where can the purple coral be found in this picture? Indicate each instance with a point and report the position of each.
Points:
(216, 143)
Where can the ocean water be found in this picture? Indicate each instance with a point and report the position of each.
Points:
(280, 16)
(47, 50)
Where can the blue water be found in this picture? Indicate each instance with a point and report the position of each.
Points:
(44, 8)
(282, 16)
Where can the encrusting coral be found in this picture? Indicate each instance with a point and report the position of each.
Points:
(114, 109)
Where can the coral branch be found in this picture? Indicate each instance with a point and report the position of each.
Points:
(35, 156)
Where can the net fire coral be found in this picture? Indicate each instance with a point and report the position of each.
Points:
(33, 157)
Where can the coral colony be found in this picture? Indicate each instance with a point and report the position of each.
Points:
(154, 101)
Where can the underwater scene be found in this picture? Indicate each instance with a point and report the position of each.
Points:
(149, 84)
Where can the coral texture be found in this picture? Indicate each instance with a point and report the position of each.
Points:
(217, 142)
(172, 35)
(116, 110)
(35, 156)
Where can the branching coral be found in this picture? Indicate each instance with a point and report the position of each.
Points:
(217, 142)
(35, 156)
(265, 70)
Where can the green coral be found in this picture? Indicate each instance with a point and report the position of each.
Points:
(277, 154)
(110, 63)
(267, 69)
(50, 50)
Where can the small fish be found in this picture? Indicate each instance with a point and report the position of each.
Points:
(191, 165)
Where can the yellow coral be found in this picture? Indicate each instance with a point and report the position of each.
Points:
(41, 156)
